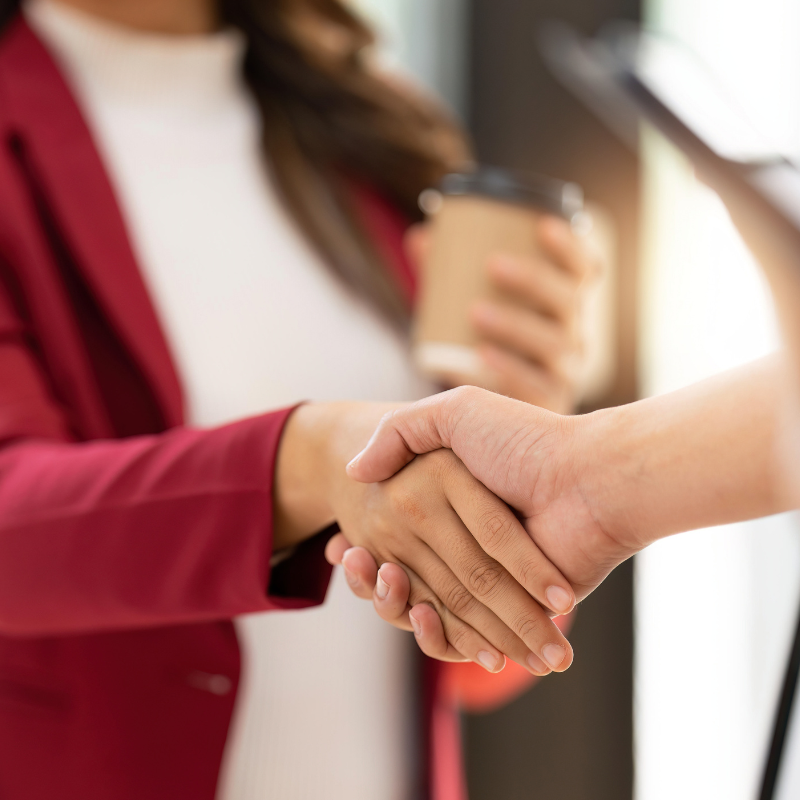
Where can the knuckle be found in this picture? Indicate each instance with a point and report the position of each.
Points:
(530, 572)
(495, 527)
(464, 395)
(422, 594)
(388, 421)
(528, 627)
(389, 417)
(463, 392)
(404, 504)
(459, 636)
(508, 642)
(484, 579)
(439, 461)
(459, 600)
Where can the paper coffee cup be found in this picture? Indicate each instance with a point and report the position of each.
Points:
(473, 216)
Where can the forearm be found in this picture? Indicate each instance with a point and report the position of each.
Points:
(695, 458)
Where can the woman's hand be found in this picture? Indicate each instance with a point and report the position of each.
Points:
(533, 346)
(447, 530)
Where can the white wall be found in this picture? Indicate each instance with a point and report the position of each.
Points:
(715, 609)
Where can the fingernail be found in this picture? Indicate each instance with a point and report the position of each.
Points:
(537, 665)
(558, 599)
(351, 577)
(415, 625)
(553, 655)
(381, 587)
(487, 660)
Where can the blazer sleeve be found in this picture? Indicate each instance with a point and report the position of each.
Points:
(137, 532)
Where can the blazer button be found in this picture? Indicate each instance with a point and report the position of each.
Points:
(219, 685)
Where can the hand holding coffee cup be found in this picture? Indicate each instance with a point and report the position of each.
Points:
(502, 273)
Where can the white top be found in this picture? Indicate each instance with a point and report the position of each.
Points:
(256, 321)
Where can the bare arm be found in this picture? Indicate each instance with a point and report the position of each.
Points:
(698, 457)
(594, 490)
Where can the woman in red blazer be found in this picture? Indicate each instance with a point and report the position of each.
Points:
(128, 541)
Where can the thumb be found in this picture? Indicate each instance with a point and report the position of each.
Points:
(401, 435)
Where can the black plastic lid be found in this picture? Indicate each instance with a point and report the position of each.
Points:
(549, 194)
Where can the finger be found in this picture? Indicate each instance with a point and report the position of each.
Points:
(400, 435)
(501, 562)
(360, 571)
(461, 642)
(492, 603)
(430, 425)
(464, 616)
(569, 251)
(517, 377)
(336, 548)
(417, 244)
(538, 283)
(391, 596)
(431, 638)
(429, 633)
(531, 335)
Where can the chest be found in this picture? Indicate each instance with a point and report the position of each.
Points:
(254, 316)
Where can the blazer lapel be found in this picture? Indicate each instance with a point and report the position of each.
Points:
(73, 180)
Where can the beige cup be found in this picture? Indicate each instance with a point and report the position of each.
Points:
(474, 215)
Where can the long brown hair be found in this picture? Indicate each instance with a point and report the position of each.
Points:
(330, 122)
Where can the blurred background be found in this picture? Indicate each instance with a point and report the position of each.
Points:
(679, 656)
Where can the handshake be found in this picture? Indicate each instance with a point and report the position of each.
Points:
(489, 516)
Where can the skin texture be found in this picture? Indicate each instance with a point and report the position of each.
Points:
(438, 521)
(591, 491)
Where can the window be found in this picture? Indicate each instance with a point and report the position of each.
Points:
(715, 609)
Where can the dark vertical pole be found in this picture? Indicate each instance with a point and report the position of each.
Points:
(570, 737)
(783, 716)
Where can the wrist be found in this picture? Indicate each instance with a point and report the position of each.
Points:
(318, 442)
(614, 470)
(299, 492)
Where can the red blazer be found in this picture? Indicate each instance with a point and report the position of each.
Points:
(127, 541)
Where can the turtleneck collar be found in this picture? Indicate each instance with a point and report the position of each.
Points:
(186, 73)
